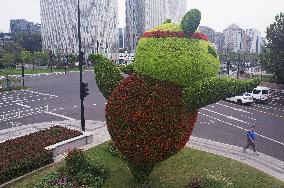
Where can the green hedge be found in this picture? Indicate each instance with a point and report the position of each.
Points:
(107, 75)
(211, 90)
(182, 61)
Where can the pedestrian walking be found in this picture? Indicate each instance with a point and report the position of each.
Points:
(251, 135)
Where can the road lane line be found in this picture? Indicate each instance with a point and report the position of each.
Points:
(261, 111)
(237, 109)
(229, 117)
(270, 139)
(62, 116)
(23, 105)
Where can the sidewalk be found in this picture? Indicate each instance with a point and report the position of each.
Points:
(265, 163)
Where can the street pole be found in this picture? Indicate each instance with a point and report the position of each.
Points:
(23, 75)
(50, 57)
(81, 69)
(239, 61)
(98, 46)
(65, 63)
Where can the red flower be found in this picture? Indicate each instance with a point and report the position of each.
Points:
(200, 36)
(163, 34)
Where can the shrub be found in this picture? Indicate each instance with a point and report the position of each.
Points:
(153, 124)
(128, 69)
(25, 154)
(182, 61)
(75, 162)
(78, 172)
(107, 75)
(190, 22)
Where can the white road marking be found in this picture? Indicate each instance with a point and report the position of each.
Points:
(242, 128)
(62, 116)
(237, 109)
(23, 105)
(229, 117)
(248, 117)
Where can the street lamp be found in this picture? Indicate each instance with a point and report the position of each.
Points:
(227, 61)
(50, 60)
(83, 86)
(23, 74)
(239, 61)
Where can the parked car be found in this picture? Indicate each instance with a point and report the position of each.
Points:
(245, 98)
(261, 94)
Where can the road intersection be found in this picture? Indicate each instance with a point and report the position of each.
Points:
(55, 97)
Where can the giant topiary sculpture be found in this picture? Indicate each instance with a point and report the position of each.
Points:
(151, 114)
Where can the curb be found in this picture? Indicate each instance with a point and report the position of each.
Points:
(98, 129)
(265, 163)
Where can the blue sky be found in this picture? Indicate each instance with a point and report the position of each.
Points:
(217, 14)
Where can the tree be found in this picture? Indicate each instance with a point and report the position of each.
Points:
(272, 59)
(30, 41)
(39, 58)
(72, 59)
(25, 57)
(8, 60)
(10, 47)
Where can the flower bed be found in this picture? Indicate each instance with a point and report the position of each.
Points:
(78, 171)
(25, 154)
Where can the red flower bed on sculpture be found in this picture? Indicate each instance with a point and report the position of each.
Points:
(200, 36)
(163, 34)
(147, 120)
(169, 34)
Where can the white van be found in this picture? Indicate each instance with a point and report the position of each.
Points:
(261, 94)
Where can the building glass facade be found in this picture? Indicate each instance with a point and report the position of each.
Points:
(142, 15)
(99, 19)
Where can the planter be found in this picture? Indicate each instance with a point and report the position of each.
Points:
(70, 144)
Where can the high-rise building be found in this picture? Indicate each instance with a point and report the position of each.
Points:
(142, 15)
(234, 38)
(99, 19)
(5, 37)
(219, 41)
(121, 36)
(21, 25)
(254, 40)
(209, 32)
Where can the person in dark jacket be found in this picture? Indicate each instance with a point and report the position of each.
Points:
(251, 135)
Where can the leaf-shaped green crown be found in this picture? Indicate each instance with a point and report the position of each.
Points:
(191, 21)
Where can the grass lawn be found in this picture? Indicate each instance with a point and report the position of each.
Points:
(212, 171)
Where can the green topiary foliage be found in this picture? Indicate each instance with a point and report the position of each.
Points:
(190, 22)
(167, 27)
(212, 51)
(211, 90)
(182, 61)
(146, 123)
(107, 75)
(151, 114)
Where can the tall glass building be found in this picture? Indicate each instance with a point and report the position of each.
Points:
(99, 19)
(142, 15)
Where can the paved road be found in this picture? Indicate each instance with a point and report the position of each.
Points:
(56, 97)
